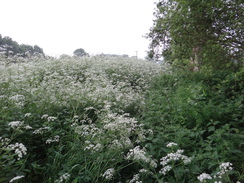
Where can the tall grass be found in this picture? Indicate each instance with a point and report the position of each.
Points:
(104, 119)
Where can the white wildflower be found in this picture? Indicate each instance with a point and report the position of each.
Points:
(63, 178)
(19, 149)
(17, 97)
(203, 177)
(44, 116)
(135, 179)
(41, 130)
(15, 124)
(171, 157)
(138, 154)
(171, 144)
(143, 170)
(4, 141)
(224, 168)
(27, 127)
(175, 157)
(108, 174)
(27, 114)
(165, 169)
(55, 139)
(16, 178)
(51, 118)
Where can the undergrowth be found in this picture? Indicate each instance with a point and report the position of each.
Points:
(105, 119)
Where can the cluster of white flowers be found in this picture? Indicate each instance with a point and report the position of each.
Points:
(15, 124)
(19, 149)
(27, 127)
(109, 173)
(4, 141)
(55, 139)
(63, 178)
(120, 143)
(19, 124)
(203, 177)
(175, 157)
(27, 114)
(165, 169)
(87, 130)
(121, 124)
(171, 144)
(93, 147)
(19, 100)
(112, 84)
(224, 169)
(138, 154)
(172, 157)
(41, 130)
(16, 178)
(96, 78)
(51, 118)
(135, 179)
(143, 171)
(2, 96)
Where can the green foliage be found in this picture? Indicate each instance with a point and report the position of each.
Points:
(80, 52)
(102, 119)
(12, 48)
(202, 113)
(206, 32)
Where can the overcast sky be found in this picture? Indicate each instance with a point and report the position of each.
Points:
(61, 26)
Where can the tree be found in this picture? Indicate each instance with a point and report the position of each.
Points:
(198, 32)
(80, 52)
(11, 48)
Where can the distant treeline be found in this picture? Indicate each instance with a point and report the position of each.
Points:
(11, 48)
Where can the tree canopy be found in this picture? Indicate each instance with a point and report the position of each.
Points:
(12, 48)
(80, 52)
(200, 32)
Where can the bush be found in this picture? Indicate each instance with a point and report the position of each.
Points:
(202, 112)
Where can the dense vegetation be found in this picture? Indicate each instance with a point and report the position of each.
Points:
(8, 47)
(104, 119)
(119, 119)
(198, 33)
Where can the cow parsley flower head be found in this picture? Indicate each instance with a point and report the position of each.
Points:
(138, 154)
(108, 174)
(63, 178)
(55, 139)
(203, 177)
(19, 149)
(27, 114)
(15, 124)
(165, 169)
(224, 169)
(4, 141)
(171, 144)
(135, 179)
(51, 118)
